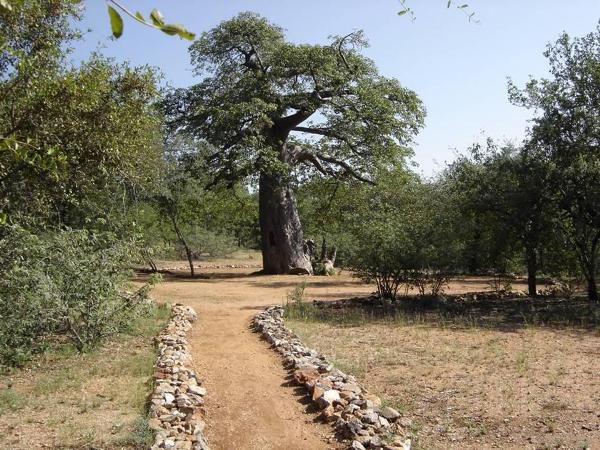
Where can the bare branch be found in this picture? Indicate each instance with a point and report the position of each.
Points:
(331, 134)
(341, 52)
(299, 155)
(343, 164)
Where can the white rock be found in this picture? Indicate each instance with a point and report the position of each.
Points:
(169, 398)
(328, 398)
(169, 444)
(357, 446)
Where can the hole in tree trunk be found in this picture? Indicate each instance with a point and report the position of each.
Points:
(271, 239)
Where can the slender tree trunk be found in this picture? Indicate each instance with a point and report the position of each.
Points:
(333, 255)
(281, 232)
(150, 260)
(590, 275)
(188, 252)
(589, 264)
(592, 289)
(532, 266)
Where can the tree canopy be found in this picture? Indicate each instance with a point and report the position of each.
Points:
(328, 101)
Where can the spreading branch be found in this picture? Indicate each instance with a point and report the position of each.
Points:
(316, 159)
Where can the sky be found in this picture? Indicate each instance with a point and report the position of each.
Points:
(458, 68)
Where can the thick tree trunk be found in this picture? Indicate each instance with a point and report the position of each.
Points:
(281, 232)
(532, 265)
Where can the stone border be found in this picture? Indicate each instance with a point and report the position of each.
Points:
(358, 417)
(178, 395)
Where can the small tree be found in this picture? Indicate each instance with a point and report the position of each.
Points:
(403, 236)
(506, 191)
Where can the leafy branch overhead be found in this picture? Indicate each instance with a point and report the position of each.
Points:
(464, 7)
(155, 20)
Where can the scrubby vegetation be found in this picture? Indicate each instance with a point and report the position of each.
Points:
(101, 167)
(89, 185)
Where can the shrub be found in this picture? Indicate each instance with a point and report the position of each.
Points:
(501, 282)
(429, 281)
(68, 283)
(295, 307)
(380, 260)
(206, 242)
(320, 268)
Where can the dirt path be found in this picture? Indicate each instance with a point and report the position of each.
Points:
(250, 404)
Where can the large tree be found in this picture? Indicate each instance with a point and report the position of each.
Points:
(271, 106)
(72, 138)
(566, 132)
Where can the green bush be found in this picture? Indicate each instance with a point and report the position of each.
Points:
(68, 283)
(296, 308)
(319, 268)
(403, 240)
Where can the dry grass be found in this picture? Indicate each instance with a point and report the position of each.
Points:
(247, 258)
(67, 400)
(470, 387)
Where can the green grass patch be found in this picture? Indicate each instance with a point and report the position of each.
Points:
(92, 400)
(10, 400)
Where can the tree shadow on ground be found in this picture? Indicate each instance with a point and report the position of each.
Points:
(326, 282)
(181, 276)
(506, 313)
(298, 391)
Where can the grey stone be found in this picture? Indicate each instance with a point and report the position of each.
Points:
(384, 422)
(197, 390)
(371, 417)
(389, 413)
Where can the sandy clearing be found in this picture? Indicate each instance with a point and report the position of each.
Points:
(250, 403)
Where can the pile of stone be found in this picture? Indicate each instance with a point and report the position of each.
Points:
(178, 395)
(229, 266)
(358, 417)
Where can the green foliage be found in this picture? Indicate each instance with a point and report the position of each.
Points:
(156, 21)
(258, 88)
(296, 308)
(504, 202)
(565, 137)
(209, 243)
(71, 138)
(403, 236)
(69, 167)
(463, 7)
(320, 269)
(69, 283)
(182, 212)
(116, 22)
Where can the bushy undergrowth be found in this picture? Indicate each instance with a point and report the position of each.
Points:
(392, 267)
(62, 285)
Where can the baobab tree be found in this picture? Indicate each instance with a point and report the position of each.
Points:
(270, 106)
